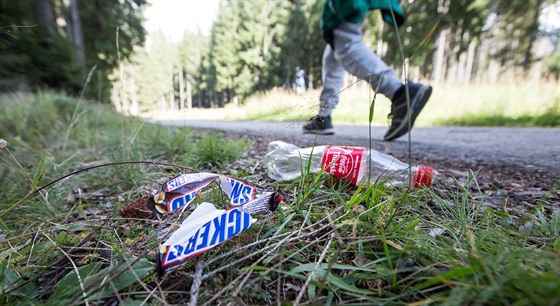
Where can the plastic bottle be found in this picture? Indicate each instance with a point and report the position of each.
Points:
(286, 161)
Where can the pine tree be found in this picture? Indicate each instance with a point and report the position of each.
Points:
(39, 53)
(190, 52)
(223, 52)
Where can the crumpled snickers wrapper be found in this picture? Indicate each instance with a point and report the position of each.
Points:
(207, 227)
(181, 190)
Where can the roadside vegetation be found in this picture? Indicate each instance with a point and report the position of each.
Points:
(69, 166)
(515, 104)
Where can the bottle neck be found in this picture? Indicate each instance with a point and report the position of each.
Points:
(422, 176)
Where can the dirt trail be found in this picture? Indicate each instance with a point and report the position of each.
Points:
(536, 149)
(519, 164)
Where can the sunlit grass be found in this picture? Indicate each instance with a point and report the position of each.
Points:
(514, 104)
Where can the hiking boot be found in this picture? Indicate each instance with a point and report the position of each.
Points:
(319, 125)
(419, 95)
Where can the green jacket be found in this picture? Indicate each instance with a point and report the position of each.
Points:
(336, 11)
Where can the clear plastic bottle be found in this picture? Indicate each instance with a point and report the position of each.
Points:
(286, 161)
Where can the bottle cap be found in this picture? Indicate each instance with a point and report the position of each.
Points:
(423, 177)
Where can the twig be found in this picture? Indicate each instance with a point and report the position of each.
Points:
(305, 220)
(310, 276)
(221, 291)
(229, 285)
(158, 282)
(279, 285)
(102, 278)
(197, 281)
(30, 193)
(248, 246)
(272, 248)
(65, 258)
(32, 247)
(236, 292)
(255, 263)
(138, 279)
(116, 290)
(336, 233)
(84, 294)
(157, 287)
(60, 260)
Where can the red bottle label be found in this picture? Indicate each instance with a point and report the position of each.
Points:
(343, 162)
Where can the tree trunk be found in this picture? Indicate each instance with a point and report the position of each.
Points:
(171, 99)
(528, 60)
(189, 94)
(171, 87)
(461, 70)
(45, 15)
(493, 70)
(310, 77)
(470, 62)
(99, 85)
(181, 89)
(162, 106)
(134, 105)
(439, 69)
(75, 32)
(481, 62)
(537, 67)
(115, 98)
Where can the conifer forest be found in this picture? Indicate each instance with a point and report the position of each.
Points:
(98, 49)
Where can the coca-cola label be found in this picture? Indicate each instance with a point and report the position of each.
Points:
(343, 162)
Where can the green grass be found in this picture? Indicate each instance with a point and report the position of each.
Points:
(331, 244)
(550, 117)
(519, 103)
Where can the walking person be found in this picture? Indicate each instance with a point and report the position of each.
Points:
(341, 25)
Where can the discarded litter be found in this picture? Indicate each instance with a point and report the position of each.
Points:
(286, 161)
(207, 226)
(204, 229)
(181, 190)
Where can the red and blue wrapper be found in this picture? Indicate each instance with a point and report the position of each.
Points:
(206, 227)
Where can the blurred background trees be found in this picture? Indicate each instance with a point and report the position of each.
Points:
(57, 43)
(257, 45)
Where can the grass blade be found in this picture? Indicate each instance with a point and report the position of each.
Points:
(39, 173)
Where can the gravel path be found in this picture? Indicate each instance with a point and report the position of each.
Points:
(513, 167)
(532, 149)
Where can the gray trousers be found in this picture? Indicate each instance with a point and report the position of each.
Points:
(351, 55)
